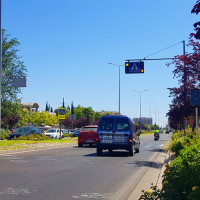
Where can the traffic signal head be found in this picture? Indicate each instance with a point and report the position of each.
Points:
(141, 67)
(127, 67)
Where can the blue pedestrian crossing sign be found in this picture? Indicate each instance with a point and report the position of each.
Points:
(134, 67)
(195, 97)
(61, 113)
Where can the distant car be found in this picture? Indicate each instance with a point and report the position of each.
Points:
(76, 133)
(24, 131)
(161, 131)
(65, 131)
(54, 133)
(166, 132)
(88, 135)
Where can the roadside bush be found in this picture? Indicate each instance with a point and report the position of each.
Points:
(4, 134)
(33, 137)
(182, 178)
(153, 194)
(67, 135)
(177, 147)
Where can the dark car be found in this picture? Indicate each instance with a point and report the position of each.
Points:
(166, 132)
(76, 133)
(24, 131)
(88, 135)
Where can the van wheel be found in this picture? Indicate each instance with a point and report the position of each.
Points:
(137, 150)
(131, 151)
(99, 151)
(110, 150)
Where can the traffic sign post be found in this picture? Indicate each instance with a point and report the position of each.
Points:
(195, 101)
(61, 113)
(134, 67)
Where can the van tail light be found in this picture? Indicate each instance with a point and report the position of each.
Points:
(131, 138)
(97, 139)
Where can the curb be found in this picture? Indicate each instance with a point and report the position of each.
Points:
(160, 177)
(152, 175)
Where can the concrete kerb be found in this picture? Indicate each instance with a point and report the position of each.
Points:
(160, 177)
(37, 148)
(153, 175)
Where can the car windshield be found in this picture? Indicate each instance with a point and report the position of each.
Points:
(51, 131)
(90, 129)
(122, 124)
(106, 124)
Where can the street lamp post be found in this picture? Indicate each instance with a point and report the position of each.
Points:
(140, 104)
(119, 81)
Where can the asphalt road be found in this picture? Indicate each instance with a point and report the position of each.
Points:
(75, 173)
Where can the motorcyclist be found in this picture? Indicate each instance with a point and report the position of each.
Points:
(156, 133)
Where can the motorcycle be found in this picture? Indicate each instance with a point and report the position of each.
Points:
(156, 137)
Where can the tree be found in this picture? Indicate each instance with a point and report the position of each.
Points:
(11, 114)
(72, 108)
(187, 71)
(196, 10)
(12, 66)
(63, 105)
(47, 107)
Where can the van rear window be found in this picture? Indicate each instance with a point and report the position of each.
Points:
(122, 124)
(90, 129)
(106, 124)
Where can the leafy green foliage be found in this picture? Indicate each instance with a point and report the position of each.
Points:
(33, 137)
(11, 114)
(153, 194)
(12, 66)
(182, 175)
(4, 133)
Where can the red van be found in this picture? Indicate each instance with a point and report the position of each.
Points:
(88, 135)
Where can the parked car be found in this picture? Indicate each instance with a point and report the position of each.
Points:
(88, 135)
(117, 132)
(76, 133)
(54, 133)
(24, 131)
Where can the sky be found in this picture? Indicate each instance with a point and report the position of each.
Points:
(67, 44)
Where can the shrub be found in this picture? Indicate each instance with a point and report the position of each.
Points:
(33, 137)
(176, 147)
(67, 135)
(182, 176)
(153, 194)
(4, 133)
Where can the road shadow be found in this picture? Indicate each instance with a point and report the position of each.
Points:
(85, 147)
(107, 154)
(153, 150)
(146, 164)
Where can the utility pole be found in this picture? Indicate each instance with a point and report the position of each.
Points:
(0, 61)
(140, 104)
(150, 102)
(119, 81)
(184, 78)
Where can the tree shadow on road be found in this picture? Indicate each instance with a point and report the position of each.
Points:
(113, 154)
(146, 164)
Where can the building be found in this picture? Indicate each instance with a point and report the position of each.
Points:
(32, 107)
(144, 120)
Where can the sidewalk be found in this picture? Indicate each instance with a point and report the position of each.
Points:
(153, 175)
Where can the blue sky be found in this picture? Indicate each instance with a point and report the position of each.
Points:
(66, 45)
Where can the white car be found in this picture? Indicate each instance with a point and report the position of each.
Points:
(54, 133)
